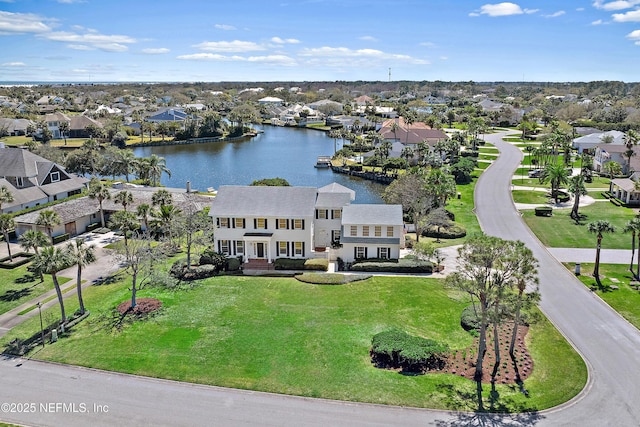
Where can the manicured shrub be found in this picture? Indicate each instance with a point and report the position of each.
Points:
(19, 259)
(61, 238)
(210, 257)
(317, 264)
(397, 349)
(180, 271)
(455, 231)
(399, 266)
(544, 211)
(289, 264)
(469, 319)
(233, 264)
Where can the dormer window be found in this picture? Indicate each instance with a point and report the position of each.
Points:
(55, 176)
(19, 182)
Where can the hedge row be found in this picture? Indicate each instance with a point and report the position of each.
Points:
(397, 349)
(399, 266)
(26, 257)
(318, 264)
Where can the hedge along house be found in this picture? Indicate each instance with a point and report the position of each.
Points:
(261, 224)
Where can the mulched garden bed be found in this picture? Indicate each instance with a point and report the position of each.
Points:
(143, 306)
(463, 362)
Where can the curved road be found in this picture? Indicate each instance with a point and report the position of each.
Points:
(73, 396)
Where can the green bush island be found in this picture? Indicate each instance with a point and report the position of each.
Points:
(397, 349)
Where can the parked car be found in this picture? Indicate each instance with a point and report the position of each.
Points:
(535, 173)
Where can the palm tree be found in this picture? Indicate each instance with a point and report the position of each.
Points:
(630, 139)
(161, 197)
(633, 227)
(124, 221)
(81, 255)
(64, 130)
(144, 212)
(5, 196)
(612, 168)
(33, 239)
(164, 218)
(7, 223)
(555, 174)
(577, 188)
(127, 161)
(48, 219)
(99, 191)
(599, 228)
(406, 154)
(50, 261)
(124, 198)
(156, 166)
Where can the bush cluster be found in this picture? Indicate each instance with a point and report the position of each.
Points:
(469, 319)
(397, 349)
(399, 266)
(455, 231)
(301, 264)
(180, 271)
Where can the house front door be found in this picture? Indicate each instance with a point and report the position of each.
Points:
(260, 250)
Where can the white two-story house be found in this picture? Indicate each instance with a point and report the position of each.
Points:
(267, 223)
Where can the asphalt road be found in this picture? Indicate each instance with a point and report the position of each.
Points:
(609, 344)
(74, 396)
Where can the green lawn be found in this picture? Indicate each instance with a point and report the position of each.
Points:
(18, 286)
(280, 335)
(527, 196)
(560, 231)
(624, 300)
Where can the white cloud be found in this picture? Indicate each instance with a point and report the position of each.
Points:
(279, 40)
(225, 27)
(501, 9)
(597, 22)
(155, 51)
(274, 60)
(633, 16)
(14, 64)
(226, 46)
(210, 57)
(71, 1)
(22, 23)
(555, 14)
(428, 44)
(89, 38)
(370, 54)
(615, 5)
(634, 36)
(80, 47)
(111, 47)
(368, 38)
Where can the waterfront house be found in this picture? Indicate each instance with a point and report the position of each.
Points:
(266, 223)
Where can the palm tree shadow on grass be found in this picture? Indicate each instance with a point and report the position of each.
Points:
(16, 294)
(27, 278)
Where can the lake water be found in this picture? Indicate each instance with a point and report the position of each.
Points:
(288, 153)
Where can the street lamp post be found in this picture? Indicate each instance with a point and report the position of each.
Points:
(41, 326)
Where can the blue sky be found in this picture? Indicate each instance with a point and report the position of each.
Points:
(310, 40)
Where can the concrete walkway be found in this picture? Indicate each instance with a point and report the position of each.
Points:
(104, 266)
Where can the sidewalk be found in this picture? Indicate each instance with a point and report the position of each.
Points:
(104, 266)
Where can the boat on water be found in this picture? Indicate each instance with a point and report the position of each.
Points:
(323, 162)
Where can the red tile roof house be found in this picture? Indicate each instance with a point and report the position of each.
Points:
(411, 134)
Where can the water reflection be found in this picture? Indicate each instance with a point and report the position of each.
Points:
(278, 152)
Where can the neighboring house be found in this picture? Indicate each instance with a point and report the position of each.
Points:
(604, 153)
(34, 180)
(270, 100)
(77, 214)
(53, 122)
(169, 115)
(266, 223)
(589, 142)
(411, 134)
(78, 126)
(627, 189)
(14, 127)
